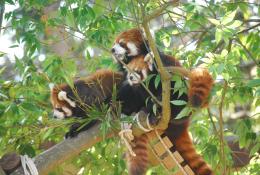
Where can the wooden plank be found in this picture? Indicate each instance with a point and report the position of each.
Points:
(159, 149)
(188, 170)
(178, 157)
(167, 142)
(169, 162)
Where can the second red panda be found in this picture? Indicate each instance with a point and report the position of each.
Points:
(200, 83)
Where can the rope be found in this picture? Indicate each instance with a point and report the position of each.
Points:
(28, 165)
(127, 133)
(170, 153)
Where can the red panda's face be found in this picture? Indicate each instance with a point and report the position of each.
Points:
(62, 105)
(128, 43)
(137, 70)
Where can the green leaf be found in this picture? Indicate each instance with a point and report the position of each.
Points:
(218, 35)
(214, 21)
(29, 106)
(253, 83)
(10, 2)
(179, 102)
(228, 17)
(27, 149)
(185, 112)
(235, 24)
(13, 46)
(47, 134)
(157, 80)
(154, 109)
(2, 54)
(255, 149)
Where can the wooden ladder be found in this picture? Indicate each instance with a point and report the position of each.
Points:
(170, 160)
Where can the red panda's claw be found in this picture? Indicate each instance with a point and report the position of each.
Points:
(149, 60)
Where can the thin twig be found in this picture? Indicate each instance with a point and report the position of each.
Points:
(248, 52)
(221, 129)
(250, 28)
(159, 11)
(213, 124)
(178, 70)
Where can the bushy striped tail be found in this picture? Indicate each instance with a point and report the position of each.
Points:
(200, 85)
(183, 144)
(137, 165)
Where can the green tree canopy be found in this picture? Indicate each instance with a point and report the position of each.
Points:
(61, 40)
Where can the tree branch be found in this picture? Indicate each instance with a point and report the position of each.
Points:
(248, 52)
(53, 157)
(178, 70)
(165, 78)
(221, 129)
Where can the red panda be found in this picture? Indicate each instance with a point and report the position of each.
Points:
(200, 83)
(93, 90)
(87, 92)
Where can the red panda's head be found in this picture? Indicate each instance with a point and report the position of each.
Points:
(62, 104)
(128, 44)
(137, 70)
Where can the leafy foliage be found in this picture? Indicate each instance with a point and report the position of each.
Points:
(223, 36)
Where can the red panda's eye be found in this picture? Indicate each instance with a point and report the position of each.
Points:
(122, 44)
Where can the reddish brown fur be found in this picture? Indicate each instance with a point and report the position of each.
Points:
(138, 63)
(179, 136)
(200, 85)
(132, 35)
(137, 165)
(102, 79)
(185, 147)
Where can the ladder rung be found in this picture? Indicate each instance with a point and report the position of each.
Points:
(178, 157)
(188, 170)
(159, 147)
(167, 142)
(168, 162)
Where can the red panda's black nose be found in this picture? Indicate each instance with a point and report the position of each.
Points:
(112, 50)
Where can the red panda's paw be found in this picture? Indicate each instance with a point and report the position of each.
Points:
(149, 57)
(62, 96)
(200, 85)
